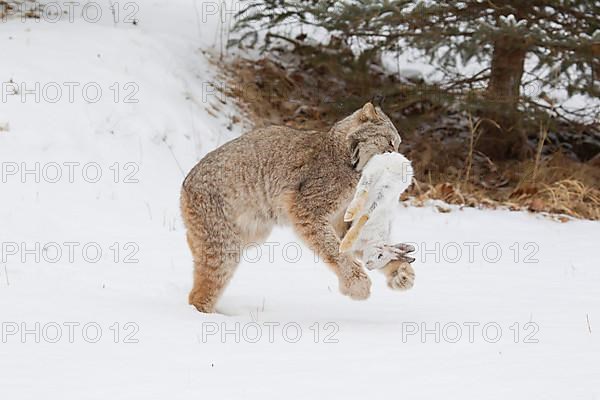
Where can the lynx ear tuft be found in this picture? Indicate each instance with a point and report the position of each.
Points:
(368, 113)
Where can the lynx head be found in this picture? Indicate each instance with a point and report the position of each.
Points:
(367, 132)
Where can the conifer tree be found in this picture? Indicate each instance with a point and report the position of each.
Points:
(548, 45)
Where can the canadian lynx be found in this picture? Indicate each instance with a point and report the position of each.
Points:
(279, 175)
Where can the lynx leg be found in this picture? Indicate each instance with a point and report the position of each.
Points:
(357, 204)
(214, 265)
(353, 234)
(320, 236)
(215, 246)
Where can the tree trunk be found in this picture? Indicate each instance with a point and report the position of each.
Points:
(504, 139)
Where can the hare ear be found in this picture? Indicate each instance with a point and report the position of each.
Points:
(368, 113)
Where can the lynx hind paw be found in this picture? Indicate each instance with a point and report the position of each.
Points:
(400, 275)
(357, 204)
(352, 234)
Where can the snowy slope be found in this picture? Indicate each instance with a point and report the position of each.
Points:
(126, 331)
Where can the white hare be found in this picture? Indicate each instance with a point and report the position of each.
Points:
(384, 178)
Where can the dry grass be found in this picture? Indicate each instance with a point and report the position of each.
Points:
(563, 198)
(446, 164)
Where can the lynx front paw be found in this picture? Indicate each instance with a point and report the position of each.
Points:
(357, 287)
(400, 275)
(202, 304)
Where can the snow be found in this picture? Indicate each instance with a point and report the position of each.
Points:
(511, 21)
(166, 349)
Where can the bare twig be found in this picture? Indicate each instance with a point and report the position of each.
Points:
(473, 128)
(543, 135)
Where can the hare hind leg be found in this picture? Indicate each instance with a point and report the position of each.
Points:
(399, 274)
(357, 204)
(353, 233)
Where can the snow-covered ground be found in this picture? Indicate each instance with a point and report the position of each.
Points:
(95, 270)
